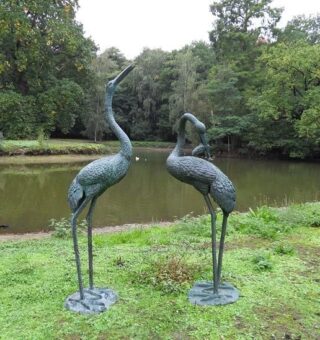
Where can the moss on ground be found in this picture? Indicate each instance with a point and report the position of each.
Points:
(276, 271)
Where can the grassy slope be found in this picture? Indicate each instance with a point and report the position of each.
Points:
(272, 256)
(63, 146)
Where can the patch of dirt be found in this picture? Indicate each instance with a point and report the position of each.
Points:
(248, 242)
(277, 323)
(311, 258)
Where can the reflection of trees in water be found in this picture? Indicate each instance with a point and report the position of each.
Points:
(32, 194)
(37, 169)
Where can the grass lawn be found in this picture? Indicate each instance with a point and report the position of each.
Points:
(50, 147)
(272, 256)
(67, 146)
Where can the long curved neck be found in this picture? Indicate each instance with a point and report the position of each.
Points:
(181, 139)
(126, 147)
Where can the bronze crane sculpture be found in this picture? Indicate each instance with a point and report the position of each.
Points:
(87, 186)
(209, 181)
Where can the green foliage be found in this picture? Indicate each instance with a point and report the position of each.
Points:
(271, 223)
(62, 228)
(41, 138)
(17, 117)
(255, 86)
(307, 215)
(302, 28)
(149, 91)
(292, 71)
(263, 222)
(60, 105)
(41, 146)
(195, 226)
(262, 262)
(104, 67)
(44, 58)
(284, 249)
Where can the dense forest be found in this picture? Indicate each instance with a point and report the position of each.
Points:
(256, 86)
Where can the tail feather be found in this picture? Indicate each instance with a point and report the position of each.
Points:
(76, 195)
(224, 195)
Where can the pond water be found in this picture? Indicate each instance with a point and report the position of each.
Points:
(30, 195)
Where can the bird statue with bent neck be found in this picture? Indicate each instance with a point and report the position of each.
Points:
(209, 181)
(87, 186)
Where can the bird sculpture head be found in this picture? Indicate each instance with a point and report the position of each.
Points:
(201, 129)
(112, 84)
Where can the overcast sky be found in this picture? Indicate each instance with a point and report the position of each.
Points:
(131, 25)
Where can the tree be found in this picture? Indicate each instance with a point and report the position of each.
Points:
(302, 28)
(241, 30)
(239, 23)
(183, 88)
(104, 67)
(60, 104)
(290, 92)
(17, 116)
(41, 44)
(148, 93)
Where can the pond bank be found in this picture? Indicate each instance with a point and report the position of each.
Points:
(67, 147)
(272, 257)
(96, 231)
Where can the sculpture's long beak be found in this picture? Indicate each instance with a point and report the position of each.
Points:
(123, 74)
(205, 144)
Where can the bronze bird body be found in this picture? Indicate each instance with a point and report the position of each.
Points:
(93, 180)
(209, 180)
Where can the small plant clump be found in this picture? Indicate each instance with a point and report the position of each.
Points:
(169, 274)
(262, 262)
(284, 249)
(62, 228)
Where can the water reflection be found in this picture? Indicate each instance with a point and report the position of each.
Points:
(32, 194)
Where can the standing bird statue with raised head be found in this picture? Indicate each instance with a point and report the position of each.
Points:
(92, 181)
(209, 181)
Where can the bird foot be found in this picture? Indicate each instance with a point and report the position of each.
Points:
(95, 300)
(202, 294)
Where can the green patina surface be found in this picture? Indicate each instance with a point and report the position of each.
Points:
(272, 257)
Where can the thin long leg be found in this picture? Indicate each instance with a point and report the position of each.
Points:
(90, 255)
(214, 244)
(75, 245)
(221, 247)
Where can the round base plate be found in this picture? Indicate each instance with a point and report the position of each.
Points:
(95, 300)
(202, 294)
